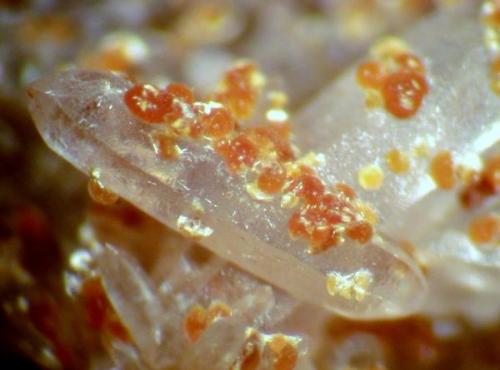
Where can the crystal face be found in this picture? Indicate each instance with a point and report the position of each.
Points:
(82, 116)
(248, 224)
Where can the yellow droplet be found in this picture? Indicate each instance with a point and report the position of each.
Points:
(373, 99)
(278, 99)
(421, 150)
(387, 47)
(371, 177)
(397, 161)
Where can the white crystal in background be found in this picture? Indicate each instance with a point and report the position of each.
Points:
(461, 114)
(82, 116)
(138, 306)
(319, 47)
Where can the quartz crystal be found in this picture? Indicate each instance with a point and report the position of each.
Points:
(219, 267)
(158, 310)
(82, 116)
(461, 115)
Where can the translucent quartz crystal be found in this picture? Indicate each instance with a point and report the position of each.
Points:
(460, 269)
(81, 115)
(138, 306)
(460, 114)
(155, 297)
(155, 309)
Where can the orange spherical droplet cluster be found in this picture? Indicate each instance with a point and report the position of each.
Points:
(198, 318)
(326, 217)
(307, 186)
(218, 123)
(485, 229)
(148, 103)
(361, 231)
(345, 190)
(238, 153)
(409, 62)
(272, 140)
(277, 350)
(99, 312)
(484, 185)
(156, 106)
(398, 78)
(263, 153)
(370, 75)
(442, 170)
(271, 179)
(182, 99)
(239, 90)
(182, 92)
(403, 93)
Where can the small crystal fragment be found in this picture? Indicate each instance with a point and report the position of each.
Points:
(193, 228)
(349, 286)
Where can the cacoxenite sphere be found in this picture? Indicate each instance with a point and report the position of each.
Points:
(303, 229)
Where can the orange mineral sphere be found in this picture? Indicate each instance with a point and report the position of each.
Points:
(403, 93)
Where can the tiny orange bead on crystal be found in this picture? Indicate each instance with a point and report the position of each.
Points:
(195, 322)
(409, 61)
(485, 229)
(148, 103)
(360, 231)
(238, 152)
(218, 123)
(370, 75)
(271, 179)
(442, 170)
(182, 92)
(403, 93)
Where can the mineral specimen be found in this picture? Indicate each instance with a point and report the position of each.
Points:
(382, 186)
